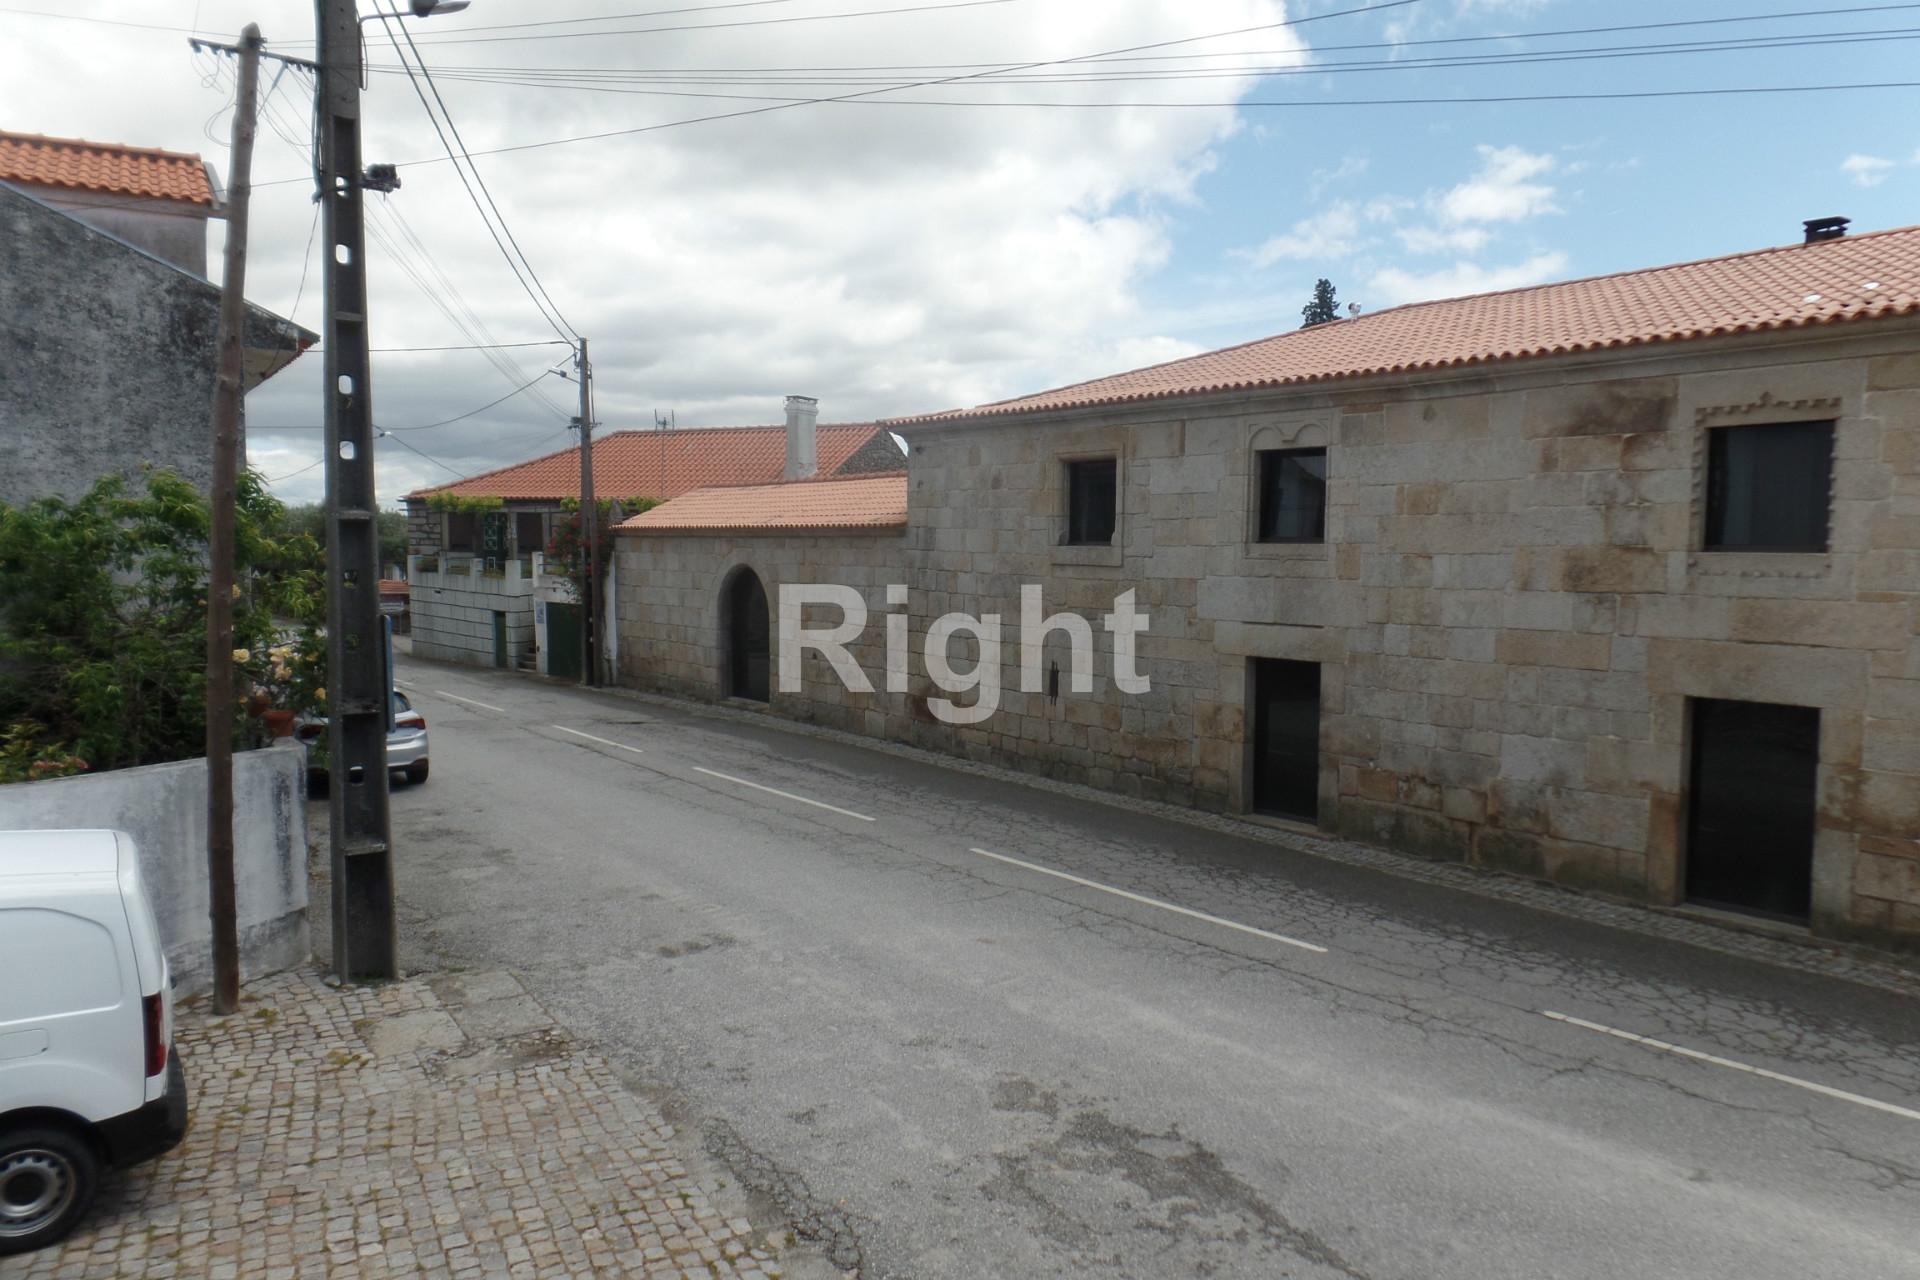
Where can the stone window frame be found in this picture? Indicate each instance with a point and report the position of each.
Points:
(1065, 552)
(1763, 409)
(1308, 431)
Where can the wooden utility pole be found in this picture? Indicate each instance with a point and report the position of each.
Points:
(590, 526)
(359, 701)
(227, 393)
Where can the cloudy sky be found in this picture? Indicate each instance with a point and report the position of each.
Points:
(1062, 204)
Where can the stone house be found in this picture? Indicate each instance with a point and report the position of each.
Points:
(636, 464)
(696, 584)
(107, 320)
(480, 594)
(159, 201)
(1614, 582)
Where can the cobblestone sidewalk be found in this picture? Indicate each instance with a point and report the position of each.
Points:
(432, 1127)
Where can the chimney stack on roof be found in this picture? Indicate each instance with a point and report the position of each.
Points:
(803, 459)
(1819, 229)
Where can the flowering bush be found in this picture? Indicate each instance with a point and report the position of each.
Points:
(24, 758)
(103, 617)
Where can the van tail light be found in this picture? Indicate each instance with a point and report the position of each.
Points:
(409, 720)
(154, 1011)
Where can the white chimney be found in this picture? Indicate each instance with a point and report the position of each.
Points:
(802, 459)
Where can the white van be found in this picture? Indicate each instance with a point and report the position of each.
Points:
(88, 1076)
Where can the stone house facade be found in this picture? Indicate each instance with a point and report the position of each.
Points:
(107, 355)
(697, 589)
(452, 541)
(1614, 583)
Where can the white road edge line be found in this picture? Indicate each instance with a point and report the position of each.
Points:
(1154, 902)
(605, 742)
(715, 773)
(472, 702)
(1661, 1045)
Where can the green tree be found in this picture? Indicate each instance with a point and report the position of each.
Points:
(1322, 308)
(310, 518)
(103, 616)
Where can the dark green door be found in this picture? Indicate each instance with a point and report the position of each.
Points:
(563, 641)
(499, 638)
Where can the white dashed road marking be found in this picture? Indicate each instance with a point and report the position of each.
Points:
(605, 742)
(715, 773)
(1647, 1042)
(472, 702)
(1153, 902)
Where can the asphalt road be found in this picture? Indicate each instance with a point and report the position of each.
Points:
(938, 1062)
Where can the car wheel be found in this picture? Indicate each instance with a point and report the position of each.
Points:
(417, 773)
(47, 1181)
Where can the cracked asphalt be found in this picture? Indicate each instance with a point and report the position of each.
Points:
(930, 1063)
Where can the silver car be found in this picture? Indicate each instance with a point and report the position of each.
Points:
(406, 745)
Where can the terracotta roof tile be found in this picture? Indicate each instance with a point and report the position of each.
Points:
(1851, 278)
(662, 464)
(859, 502)
(111, 167)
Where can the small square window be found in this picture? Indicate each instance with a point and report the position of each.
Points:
(1293, 495)
(1767, 487)
(1092, 501)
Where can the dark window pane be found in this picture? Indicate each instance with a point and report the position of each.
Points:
(529, 533)
(1092, 501)
(463, 530)
(1293, 495)
(1767, 487)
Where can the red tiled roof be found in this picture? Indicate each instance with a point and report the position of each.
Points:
(662, 464)
(111, 167)
(395, 587)
(1851, 278)
(855, 502)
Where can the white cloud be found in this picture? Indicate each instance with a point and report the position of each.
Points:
(1503, 190)
(1866, 171)
(1349, 168)
(1443, 240)
(886, 258)
(1395, 285)
(1326, 236)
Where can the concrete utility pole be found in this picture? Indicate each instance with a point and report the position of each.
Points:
(227, 392)
(590, 525)
(360, 834)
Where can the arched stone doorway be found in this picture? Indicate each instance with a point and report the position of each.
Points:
(747, 636)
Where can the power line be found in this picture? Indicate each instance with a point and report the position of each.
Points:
(447, 422)
(530, 281)
(1381, 7)
(453, 39)
(481, 346)
(1322, 48)
(478, 328)
(621, 17)
(610, 85)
